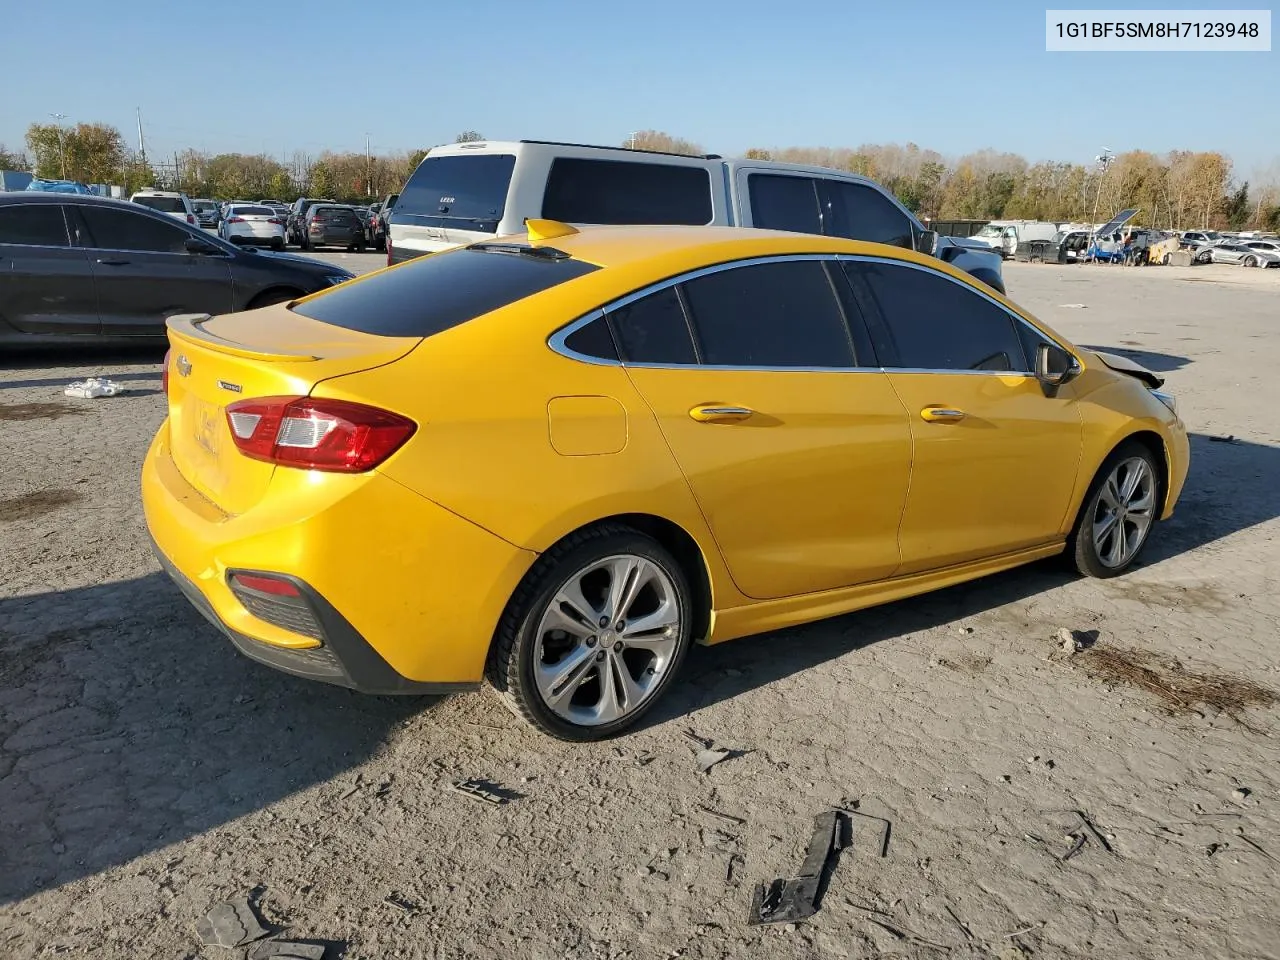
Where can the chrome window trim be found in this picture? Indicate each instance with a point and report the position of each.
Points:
(224, 255)
(557, 340)
(1017, 319)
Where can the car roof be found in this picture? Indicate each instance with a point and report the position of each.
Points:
(34, 196)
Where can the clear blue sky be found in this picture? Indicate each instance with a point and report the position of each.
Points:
(954, 75)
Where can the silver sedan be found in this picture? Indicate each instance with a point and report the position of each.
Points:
(1244, 255)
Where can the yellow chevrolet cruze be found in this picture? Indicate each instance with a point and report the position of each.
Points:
(557, 460)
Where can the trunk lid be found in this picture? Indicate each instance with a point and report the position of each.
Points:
(217, 361)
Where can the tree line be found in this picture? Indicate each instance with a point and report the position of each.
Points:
(1181, 189)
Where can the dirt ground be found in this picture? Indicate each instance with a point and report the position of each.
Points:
(147, 770)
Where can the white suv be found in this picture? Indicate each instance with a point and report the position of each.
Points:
(167, 201)
(466, 192)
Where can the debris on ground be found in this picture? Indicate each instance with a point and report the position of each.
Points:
(850, 809)
(1082, 833)
(231, 923)
(964, 631)
(1180, 691)
(723, 816)
(287, 950)
(1073, 641)
(400, 903)
(709, 754)
(1072, 306)
(1229, 438)
(93, 387)
(485, 790)
(796, 898)
(1241, 793)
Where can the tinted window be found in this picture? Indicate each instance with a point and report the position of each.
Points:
(593, 340)
(114, 229)
(252, 212)
(335, 214)
(620, 191)
(860, 212)
(467, 192)
(163, 204)
(935, 323)
(781, 314)
(784, 203)
(653, 329)
(36, 224)
(436, 292)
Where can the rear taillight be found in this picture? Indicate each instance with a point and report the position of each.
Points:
(190, 218)
(164, 374)
(315, 227)
(276, 220)
(317, 434)
(235, 220)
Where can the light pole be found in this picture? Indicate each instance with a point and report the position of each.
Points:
(1104, 160)
(62, 152)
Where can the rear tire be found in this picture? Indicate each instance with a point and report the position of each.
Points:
(277, 245)
(567, 660)
(380, 244)
(1119, 511)
(304, 243)
(1250, 261)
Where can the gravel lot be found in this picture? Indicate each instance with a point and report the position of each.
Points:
(147, 770)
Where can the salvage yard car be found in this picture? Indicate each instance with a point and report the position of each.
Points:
(465, 192)
(714, 432)
(74, 268)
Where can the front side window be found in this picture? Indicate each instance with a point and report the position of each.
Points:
(784, 203)
(860, 212)
(653, 329)
(778, 314)
(33, 224)
(621, 191)
(111, 228)
(936, 323)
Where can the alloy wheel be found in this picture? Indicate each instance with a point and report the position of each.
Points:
(606, 640)
(1124, 512)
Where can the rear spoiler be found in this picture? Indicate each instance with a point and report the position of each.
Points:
(1132, 368)
(190, 326)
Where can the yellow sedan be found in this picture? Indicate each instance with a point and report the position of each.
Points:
(557, 460)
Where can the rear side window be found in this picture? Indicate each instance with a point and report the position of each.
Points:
(621, 191)
(653, 329)
(936, 323)
(859, 212)
(782, 314)
(436, 292)
(33, 224)
(784, 203)
(111, 228)
(467, 192)
(163, 204)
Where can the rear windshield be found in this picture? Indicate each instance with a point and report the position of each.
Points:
(253, 211)
(439, 291)
(163, 204)
(468, 192)
(623, 191)
(204, 204)
(331, 213)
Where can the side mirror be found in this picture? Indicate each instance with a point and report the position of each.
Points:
(1054, 368)
(198, 246)
(927, 242)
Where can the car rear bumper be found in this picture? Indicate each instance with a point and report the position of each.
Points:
(335, 239)
(404, 595)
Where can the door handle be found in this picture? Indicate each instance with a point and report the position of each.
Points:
(719, 413)
(106, 262)
(941, 415)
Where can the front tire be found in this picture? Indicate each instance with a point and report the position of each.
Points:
(1121, 507)
(594, 634)
(1250, 261)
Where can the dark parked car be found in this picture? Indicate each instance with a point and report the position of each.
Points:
(207, 212)
(378, 225)
(296, 227)
(334, 225)
(73, 267)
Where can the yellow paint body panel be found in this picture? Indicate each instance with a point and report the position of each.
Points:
(832, 495)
